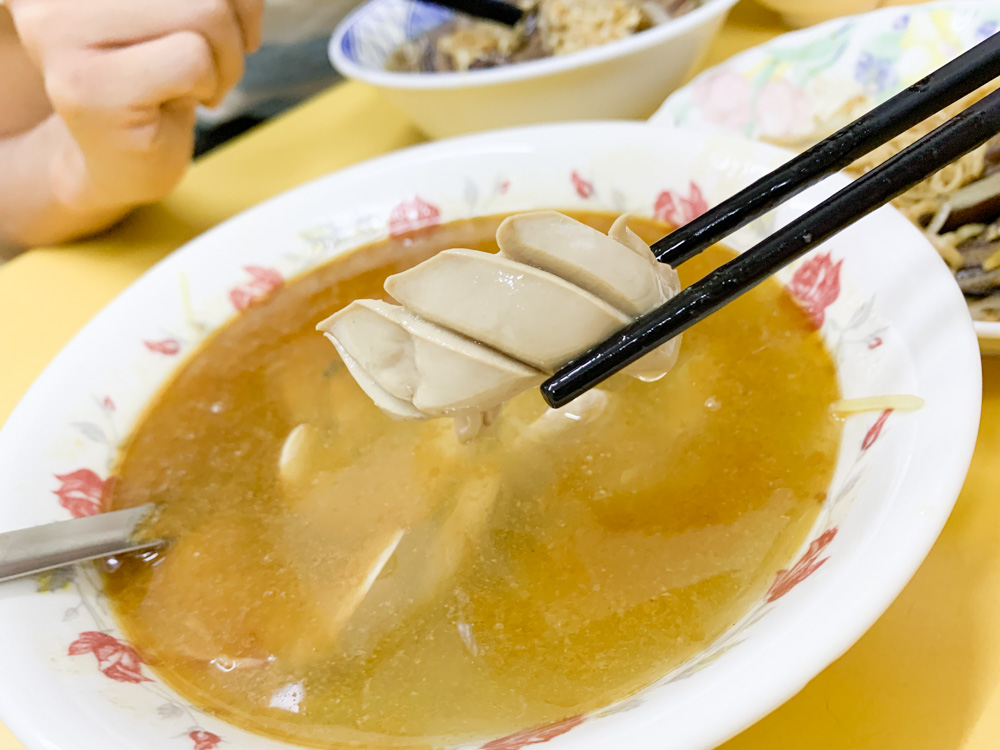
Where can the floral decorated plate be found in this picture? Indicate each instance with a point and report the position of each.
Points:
(801, 86)
(72, 683)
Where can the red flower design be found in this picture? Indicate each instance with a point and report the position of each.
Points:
(788, 579)
(677, 209)
(875, 342)
(816, 285)
(411, 215)
(170, 347)
(583, 188)
(108, 403)
(115, 659)
(204, 740)
(241, 298)
(875, 430)
(535, 736)
(503, 187)
(80, 492)
(262, 281)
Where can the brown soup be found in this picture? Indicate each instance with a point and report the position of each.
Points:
(612, 553)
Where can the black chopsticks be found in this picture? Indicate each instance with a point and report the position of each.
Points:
(950, 141)
(490, 10)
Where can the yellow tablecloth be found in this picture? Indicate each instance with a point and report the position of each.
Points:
(926, 677)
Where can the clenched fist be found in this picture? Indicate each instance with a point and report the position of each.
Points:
(124, 78)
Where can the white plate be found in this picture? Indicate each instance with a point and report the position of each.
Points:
(70, 683)
(786, 89)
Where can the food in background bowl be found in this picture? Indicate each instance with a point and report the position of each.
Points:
(959, 210)
(550, 27)
(625, 78)
(395, 585)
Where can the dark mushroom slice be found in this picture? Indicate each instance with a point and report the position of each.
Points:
(976, 203)
(992, 157)
(977, 251)
(977, 282)
(980, 271)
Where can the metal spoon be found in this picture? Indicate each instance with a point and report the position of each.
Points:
(25, 552)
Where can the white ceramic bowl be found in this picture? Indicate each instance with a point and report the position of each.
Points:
(786, 89)
(624, 79)
(891, 315)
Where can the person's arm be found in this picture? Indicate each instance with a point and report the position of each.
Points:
(113, 125)
(23, 108)
(31, 213)
(23, 103)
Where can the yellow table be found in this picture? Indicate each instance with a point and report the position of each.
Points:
(926, 677)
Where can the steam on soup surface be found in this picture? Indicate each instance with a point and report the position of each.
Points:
(608, 552)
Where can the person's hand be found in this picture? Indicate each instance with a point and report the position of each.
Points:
(125, 78)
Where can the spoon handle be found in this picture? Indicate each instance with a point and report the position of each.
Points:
(32, 550)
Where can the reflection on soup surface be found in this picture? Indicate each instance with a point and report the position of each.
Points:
(524, 577)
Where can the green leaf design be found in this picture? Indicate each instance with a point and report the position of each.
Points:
(821, 52)
(812, 59)
(888, 45)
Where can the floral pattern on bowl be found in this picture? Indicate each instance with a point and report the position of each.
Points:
(61, 441)
(801, 86)
(380, 29)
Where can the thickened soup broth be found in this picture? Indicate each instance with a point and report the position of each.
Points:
(338, 578)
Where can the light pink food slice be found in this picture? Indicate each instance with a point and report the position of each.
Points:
(528, 314)
(436, 371)
(580, 254)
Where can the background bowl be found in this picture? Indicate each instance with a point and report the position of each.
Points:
(891, 315)
(784, 90)
(624, 79)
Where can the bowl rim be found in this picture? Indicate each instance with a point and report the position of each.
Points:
(779, 678)
(986, 330)
(528, 70)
